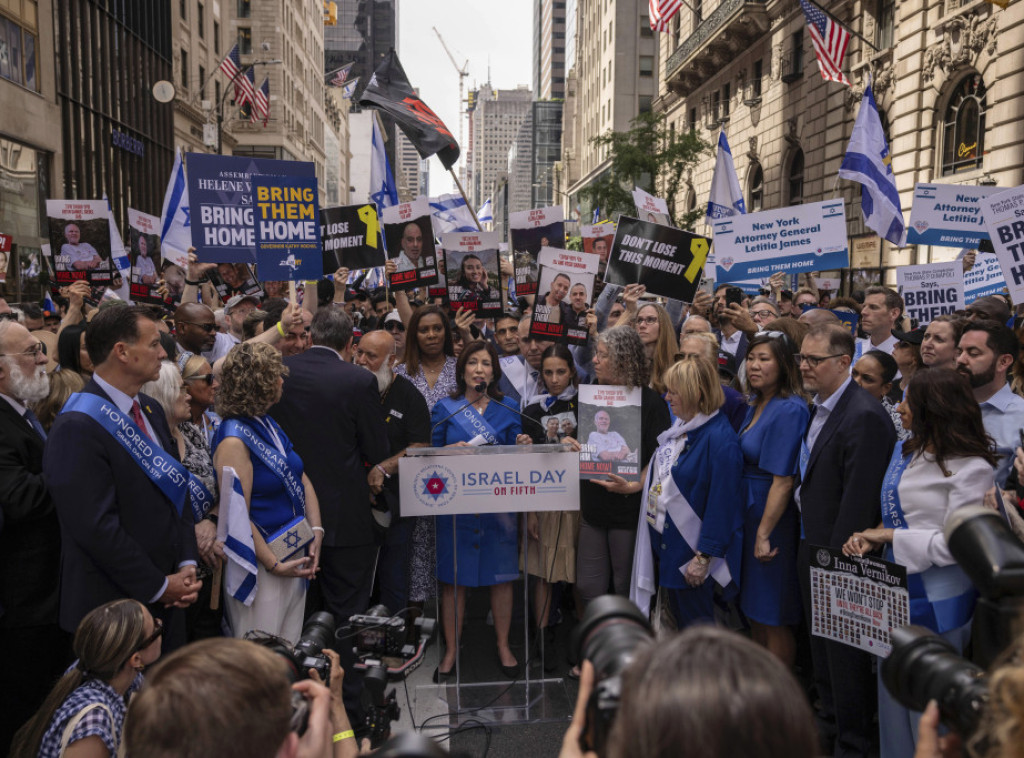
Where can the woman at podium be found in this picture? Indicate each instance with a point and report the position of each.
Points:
(485, 546)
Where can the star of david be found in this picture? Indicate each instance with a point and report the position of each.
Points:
(291, 539)
(435, 485)
(188, 215)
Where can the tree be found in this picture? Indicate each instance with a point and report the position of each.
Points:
(650, 156)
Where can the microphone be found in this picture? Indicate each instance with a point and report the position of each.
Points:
(481, 387)
(520, 413)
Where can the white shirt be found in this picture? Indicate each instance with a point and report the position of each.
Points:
(731, 344)
(124, 404)
(404, 263)
(144, 266)
(604, 442)
(221, 346)
(864, 345)
(824, 410)
(83, 251)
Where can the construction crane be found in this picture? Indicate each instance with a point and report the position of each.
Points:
(463, 73)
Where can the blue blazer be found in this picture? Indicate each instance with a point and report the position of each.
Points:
(120, 536)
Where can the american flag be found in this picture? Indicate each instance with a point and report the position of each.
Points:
(262, 101)
(230, 66)
(830, 40)
(662, 11)
(339, 77)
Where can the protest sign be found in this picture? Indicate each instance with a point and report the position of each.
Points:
(948, 215)
(609, 430)
(287, 227)
(567, 282)
(232, 279)
(985, 278)
(598, 238)
(651, 208)
(931, 289)
(857, 601)
(472, 272)
(352, 238)
(222, 205)
(666, 260)
(440, 287)
(144, 251)
(80, 241)
(1004, 219)
(800, 238)
(528, 232)
(409, 238)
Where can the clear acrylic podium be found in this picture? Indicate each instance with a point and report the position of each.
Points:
(452, 481)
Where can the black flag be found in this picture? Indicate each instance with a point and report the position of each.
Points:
(389, 90)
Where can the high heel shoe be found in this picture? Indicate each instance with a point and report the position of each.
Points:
(512, 672)
(440, 676)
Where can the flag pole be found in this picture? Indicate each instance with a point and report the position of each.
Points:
(463, 193)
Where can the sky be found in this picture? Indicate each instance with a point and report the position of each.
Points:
(495, 33)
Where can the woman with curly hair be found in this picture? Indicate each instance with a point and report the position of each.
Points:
(277, 492)
(654, 326)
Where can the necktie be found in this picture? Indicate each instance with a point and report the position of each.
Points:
(138, 418)
(30, 417)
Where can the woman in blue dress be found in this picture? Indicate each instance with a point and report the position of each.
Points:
(485, 545)
(770, 438)
(690, 526)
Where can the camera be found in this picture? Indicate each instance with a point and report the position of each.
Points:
(382, 638)
(609, 634)
(379, 709)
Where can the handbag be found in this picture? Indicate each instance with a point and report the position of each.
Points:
(290, 539)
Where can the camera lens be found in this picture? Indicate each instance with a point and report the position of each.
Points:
(609, 634)
(317, 633)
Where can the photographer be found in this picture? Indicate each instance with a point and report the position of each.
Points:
(706, 692)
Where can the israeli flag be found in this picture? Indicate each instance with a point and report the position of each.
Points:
(48, 303)
(119, 255)
(383, 191)
(597, 215)
(234, 531)
(175, 218)
(726, 198)
(868, 162)
(486, 213)
(450, 213)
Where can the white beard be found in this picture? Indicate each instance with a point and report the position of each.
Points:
(384, 376)
(30, 388)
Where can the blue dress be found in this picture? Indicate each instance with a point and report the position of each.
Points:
(770, 592)
(487, 544)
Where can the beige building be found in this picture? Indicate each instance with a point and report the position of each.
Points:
(947, 79)
(494, 123)
(407, 169)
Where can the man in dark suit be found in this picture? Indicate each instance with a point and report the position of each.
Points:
(846, 451)
(331, 411)
(34, 651)
(121, 535)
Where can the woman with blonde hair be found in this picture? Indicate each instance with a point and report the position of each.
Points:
(84, 713)
(691, 518)
(171, 392)
(63, 384)
(654, 326)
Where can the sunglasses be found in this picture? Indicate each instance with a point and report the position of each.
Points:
(395, 326)
(208, 378)
(158, 630)
(205, 327)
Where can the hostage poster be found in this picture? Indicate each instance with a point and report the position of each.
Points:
(666, 260)
(609, 431)
(528, 232)
(651, 208)
(409, 237)
(566, 287)
(598, 238)
(144, 251)
(352, 238)
(472, 272)
(80, 241)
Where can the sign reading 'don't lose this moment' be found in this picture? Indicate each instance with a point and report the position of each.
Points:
(287, 227)
(1004, 218)
(797, 239)
(666, 260)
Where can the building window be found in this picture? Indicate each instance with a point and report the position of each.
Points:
(698, 12)
(645, 27)
(885, 20)
(244, 8)
(244, 40)
(202, 81)
(183, 8)
(758, 75)
(184, 68)
(716, 106)
(647, 65)
(18, 48)
(693, 120)
(726, 100)
(200, 21)
(796, 178)
(216, 37)
(644, 103)
(796, 60)
(216, 94)
(963, 128)
(755, 188)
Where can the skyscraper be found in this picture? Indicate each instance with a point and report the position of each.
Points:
(549, 61)
(494, 124)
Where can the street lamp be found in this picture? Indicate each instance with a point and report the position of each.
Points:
(227, 90)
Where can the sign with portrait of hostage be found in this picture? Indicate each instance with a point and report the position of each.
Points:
(566, 284)
(144, 244)
(609, 432)
(409, 238)
(472, 272)
(80, 241)
(529, 231)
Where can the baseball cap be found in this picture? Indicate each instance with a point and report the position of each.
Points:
(726, 364)
(231, 303)
(914, 336)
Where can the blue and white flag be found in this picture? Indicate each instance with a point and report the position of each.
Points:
(597, 215)
(486, 213)
(119, 255)
(349, 89)
(450, 213)
(868, 162)
(383, 191)
(48, 304)
(234, 530)
(726, 198)
(175, 219)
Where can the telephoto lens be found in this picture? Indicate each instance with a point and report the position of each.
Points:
(923, 667)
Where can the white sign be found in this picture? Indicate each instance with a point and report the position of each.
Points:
(463, 480)
(651, 208)
(948, 215)
(985, 278)
(1004, 218)
(796, 239)
(931, 289)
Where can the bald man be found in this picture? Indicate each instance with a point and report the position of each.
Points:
(818, 317)
(196, 331)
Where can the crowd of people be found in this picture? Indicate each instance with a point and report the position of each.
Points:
(767, 428)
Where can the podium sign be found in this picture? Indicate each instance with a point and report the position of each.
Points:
(504, 479)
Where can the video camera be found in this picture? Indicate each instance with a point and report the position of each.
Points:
(382, 639)
(923, 666)
(609, 634)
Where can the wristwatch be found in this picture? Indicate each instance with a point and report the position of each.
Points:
(703, 558)
(211, 517)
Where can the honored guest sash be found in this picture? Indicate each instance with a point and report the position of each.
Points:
(475, 426)
(272, 459)
(171, 477)
(942, 598)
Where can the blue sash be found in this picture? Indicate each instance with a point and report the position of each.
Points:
(271, 458)
(171, 477)
(942, 598)
(473, 424)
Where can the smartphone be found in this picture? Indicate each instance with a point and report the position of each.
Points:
(734, 296)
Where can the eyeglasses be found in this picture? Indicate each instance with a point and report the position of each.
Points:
(764, 313)
(37, 349)
(205, 327)
(158, 630)
(208, 378)
(815, 360)
(395, 326)
(647, 320)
